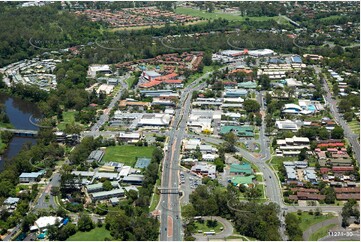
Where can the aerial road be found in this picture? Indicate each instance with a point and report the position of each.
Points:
(171, 225)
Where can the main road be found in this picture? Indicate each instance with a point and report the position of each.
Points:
(171, 225)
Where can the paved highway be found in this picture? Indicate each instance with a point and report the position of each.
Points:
(171, 226)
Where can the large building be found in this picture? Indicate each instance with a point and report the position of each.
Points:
(235, 93)
(26, 177)
(241, 131)
(98, 69)
(205, 169)
(292, 146)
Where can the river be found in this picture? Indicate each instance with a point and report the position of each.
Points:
(19, 111)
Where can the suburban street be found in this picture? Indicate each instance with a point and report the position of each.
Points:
(352, 137)
(105, 116)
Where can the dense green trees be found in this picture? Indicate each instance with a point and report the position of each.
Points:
(85, 223)
(259, 221)
(350, 209)
(131, 224)
(251, 106)
(292, 227)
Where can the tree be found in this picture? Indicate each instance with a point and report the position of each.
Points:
(231, 140)
(252, 193)
(85, 223)
(265, 82)
(66, 231)
(337, 133)
(28, 221)
(349, 209)
(251, 106)
(207, 58)
(323, 134)
(348, 116)
(292, 227)
(107, 186)
(303, 154)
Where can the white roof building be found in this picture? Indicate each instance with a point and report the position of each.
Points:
(93, 69)
(287, 125)
(125, 171)
(258, 53)
(45, 221)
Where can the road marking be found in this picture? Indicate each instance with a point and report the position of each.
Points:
(170, 226)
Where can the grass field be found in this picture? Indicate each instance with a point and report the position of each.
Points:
(197, 75)
(216, 15)
(205, 228)
(127, 154)
(321, 233)
(355, 126)
(97, 234)
(130, 81)
(6, 125)
(307, 220)
(68, 118)
(277, 161)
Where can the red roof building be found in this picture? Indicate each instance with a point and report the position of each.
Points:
(342, 168)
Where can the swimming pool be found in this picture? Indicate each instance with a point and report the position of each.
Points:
(311, 107)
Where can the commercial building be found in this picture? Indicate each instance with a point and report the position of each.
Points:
(241, 131)
(235, 93)
(292, 146)
(261, 53)
(241, 169)
(26, 177)
(95, 156)
(107, 194)
(99, 187)
(93, 70)
(205, 169)
(247, 85)
(133, 179)
(242, 180)
(288, 125)
(133, 137)
(44, 222)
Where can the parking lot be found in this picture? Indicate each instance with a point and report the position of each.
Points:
(189, 182)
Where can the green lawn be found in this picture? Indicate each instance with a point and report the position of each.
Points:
(355, 126)
(130, 81)
(68, 118)
(97, 234)
(277, 161)
(205, 228)
(217, 15)
(197, 75)
(321, 233)
(6, 125)
(307, 220)
(127, 154)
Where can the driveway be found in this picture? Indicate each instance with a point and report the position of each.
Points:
(227, 229)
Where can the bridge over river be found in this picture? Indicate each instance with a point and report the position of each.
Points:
(21, 132)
